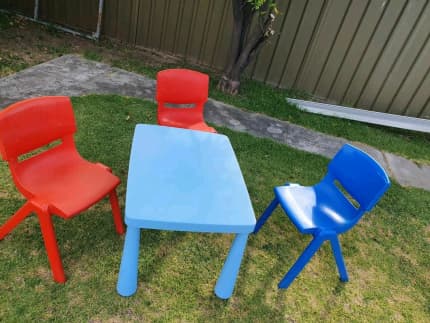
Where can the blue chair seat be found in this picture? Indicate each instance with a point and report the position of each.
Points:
(316, 208)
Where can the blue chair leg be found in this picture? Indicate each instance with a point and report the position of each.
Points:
(263, 218)
(304, 258)
(337, 251)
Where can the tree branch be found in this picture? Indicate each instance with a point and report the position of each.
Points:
(244, 45)
(259, 36)
(236, 39)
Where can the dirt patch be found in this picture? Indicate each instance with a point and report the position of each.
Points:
(400, 253)
(44, 273)
(24, 43)
(427, 233)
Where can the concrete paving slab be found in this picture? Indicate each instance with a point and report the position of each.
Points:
(259, 125)
(73, 75)
(408, 173)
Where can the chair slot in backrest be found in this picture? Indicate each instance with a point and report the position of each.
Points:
(361, 176)
(346, 194)
(33, 123)
(180, 105)
(39, 150)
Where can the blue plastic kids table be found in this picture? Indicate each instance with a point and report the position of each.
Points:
(184, 180)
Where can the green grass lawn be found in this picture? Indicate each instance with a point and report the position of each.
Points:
(387, 253)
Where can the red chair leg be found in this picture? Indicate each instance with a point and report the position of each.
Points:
(15, 219)
(48, 233)
(116, 212)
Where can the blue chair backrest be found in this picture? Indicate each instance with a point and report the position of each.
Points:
(360, 175)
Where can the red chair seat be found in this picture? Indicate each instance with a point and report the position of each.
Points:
(70, 184)
(171, 122)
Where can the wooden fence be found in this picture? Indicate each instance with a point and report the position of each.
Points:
(370, 54)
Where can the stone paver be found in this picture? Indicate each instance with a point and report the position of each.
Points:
(74, 76)
(259, 125)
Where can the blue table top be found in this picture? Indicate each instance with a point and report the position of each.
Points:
(186, 180)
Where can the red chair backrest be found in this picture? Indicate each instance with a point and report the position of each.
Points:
(34, 123)
(182, 87)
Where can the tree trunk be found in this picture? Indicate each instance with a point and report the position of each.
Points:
(244, 46)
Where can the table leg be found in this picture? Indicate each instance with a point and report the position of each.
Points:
(127, 278)
(225, 284)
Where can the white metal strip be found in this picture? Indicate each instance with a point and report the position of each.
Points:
(379, 118)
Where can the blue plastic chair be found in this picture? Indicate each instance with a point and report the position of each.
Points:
(352, 186)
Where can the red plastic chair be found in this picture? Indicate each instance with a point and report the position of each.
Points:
(181, 95)
(57, 181)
